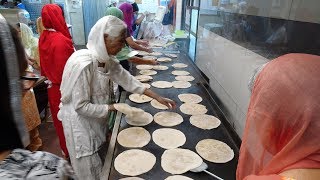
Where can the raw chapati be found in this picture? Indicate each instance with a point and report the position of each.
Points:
(172, 55)
(132, 178)
(154, 103)
(178, 177)
(134, 162)
(156, 54)
(214, 151)
(148, 72)
(193, 109)
(168, 138)
(146, 85)
(141, 119)
(143, 53)
(149, 57)
(144, 67)
(134, 137)
(178, 161)
(162, 84)
(139, 98)
(179, 65)
(164, 59)
(184, 78)
(168, 119)
(181, 84)
(205, 121)
(180, 73)
(143, 78)
(160, 67)
(190, 98)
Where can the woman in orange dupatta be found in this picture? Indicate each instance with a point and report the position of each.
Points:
(281, 139)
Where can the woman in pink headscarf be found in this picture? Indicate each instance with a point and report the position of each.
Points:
(281, 137)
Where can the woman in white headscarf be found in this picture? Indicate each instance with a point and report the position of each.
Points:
(85, 94)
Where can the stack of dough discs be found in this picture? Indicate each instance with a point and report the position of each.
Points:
(178, 161)
(132, 178)
(160, 67)
(134, 137)
(134, 162)
(148, 72)
(181, 84)
(156, 54)
(154, 103)
(180, 73)
(142, 119)
(214, 151)
(149, 57)
(139, 98)
(168, 119)
(190, 98)
(178, 177)
(172, 55)
(143, 53)
(164, 59)
(179, 65)
(144, 67)
(205, 121)
(143, 78)
(146, 85)
(184, 78)
(162, 84)
(193, 109)
(168, 138)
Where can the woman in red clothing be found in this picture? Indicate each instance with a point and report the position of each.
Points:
(55, 47)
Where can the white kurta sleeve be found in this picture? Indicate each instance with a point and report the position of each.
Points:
(122, 77)
(81, 97)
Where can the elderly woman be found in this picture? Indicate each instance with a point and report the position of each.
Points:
(281, 137)
(85, 94)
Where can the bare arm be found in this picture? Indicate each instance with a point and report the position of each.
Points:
(137, 60)
(140, 19)
(169, 103)
(136, 46)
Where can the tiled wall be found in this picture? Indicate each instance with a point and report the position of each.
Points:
(35, 8)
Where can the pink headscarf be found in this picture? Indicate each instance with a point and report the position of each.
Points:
(127, 11)
(283, 120)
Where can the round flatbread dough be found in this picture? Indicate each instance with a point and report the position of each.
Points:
(190, 98)
(156, 54)
(143, 78)
(193, 109)
(179, 65)
(143, 53)
(181, 84)
(172, 55)
(164, 59)
(131, 178)
(178, 161)
(149, 57)
(184, 78)
(168, 138)
(148, 72)
(168, 119)
(214, 151)
(160, 67)
(134, 137)
(142, 119)
(146, 85)
(178, 177)
(144, 67)
(162, 84)
(134, 162)
(205, 121)
(154, 103)
(180, 73)
(139, 98)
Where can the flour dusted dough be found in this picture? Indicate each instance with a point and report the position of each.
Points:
(168, 138)
(172, 55)
(180, 73)
(144, 67)
(143, 53)
(181, 84)
(184, 78)
(149, 57)
(178, 177)
(139, 98)
(156, 54)
(178, 161)
(205, 121)
(190, 98)
(162, 84)
(134, 178)
(179, 65)
(140, 119)
(214, 151)
(146, 85)
(143, 78)
(134, 162)
(148, 72)
(164, 59)
(160, 67)
(193, 109)
(134, 137)
(154, 103)
(168, 119)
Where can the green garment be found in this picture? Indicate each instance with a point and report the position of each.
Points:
(123, 54)
(113, 11)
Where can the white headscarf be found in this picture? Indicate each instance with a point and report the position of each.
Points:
(29, 42)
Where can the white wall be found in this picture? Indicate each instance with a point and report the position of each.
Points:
(75, 16)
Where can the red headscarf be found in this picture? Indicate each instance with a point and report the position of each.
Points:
(283, 120)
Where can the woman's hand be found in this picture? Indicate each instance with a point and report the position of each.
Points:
(153, 62)
(149, 50)
(167, 102)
